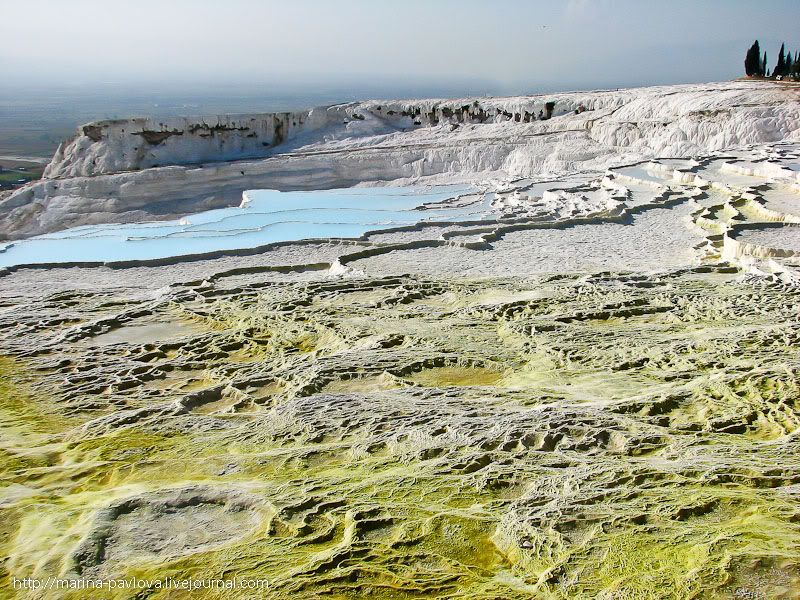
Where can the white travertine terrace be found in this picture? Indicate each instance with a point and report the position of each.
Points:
(741, 207)
(139, 169)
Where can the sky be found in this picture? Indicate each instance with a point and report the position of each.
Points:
(494, 46)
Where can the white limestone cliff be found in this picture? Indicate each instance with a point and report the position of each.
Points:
(113, 146)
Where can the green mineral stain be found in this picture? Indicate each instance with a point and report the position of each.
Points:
(456, 376)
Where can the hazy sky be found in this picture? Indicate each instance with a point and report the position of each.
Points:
(500, 45)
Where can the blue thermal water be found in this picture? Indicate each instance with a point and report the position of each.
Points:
(266, 216)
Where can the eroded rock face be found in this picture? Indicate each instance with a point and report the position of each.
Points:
(559, 436)
(105, 147)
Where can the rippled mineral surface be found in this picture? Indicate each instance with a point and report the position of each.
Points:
(387, 419)
(397, 437)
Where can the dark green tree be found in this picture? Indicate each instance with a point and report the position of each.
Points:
(780, 66)
(752, 60)
(764, 65)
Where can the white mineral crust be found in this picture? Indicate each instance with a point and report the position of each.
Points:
(143, 169)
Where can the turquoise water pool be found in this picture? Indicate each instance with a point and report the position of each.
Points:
(265, 216)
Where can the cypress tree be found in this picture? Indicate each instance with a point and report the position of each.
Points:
(780, 66)
(752, 59)
(764, 65)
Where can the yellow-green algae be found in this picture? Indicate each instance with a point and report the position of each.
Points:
(607, 437)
